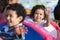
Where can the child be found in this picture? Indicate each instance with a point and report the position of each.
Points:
(14, 16)
(37, 15)
(3, 5)
(40, 17)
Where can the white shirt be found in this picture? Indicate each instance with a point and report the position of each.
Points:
(52, 30)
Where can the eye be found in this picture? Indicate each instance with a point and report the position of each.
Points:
(10, 15)
(6, 15)
(40, 14)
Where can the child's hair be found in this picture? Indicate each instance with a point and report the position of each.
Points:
(20, 11)
(39, 7)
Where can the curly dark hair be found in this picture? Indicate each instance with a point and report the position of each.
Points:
(39, 7)
(20, 11)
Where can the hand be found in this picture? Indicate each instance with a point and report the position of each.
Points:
(20, 30)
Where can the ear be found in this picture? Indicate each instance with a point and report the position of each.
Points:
(20, 18)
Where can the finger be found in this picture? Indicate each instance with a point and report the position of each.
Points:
(24, 30)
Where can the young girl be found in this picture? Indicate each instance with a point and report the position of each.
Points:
(39, 17)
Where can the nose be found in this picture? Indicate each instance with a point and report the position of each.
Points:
(38, 15)
(8, 17)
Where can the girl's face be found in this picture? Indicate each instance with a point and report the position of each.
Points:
(38, 15)
(12, 18)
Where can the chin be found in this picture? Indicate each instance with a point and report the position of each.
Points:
(10, 25)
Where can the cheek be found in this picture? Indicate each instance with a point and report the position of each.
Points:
(13, 20)
(42, 16)
(35, 16)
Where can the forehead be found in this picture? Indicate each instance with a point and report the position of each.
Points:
(39, 10)
(11, 12)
